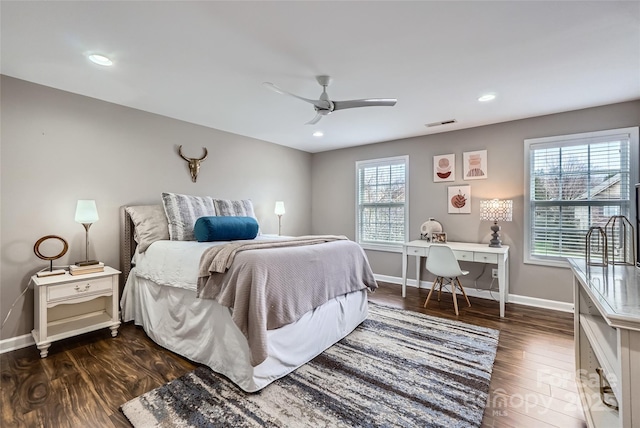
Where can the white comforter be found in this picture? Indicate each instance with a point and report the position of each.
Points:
(175, 263)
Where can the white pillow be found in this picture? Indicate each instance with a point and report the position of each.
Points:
(182, 211)
(150, 225)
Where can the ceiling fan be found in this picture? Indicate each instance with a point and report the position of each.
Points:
(324, 106)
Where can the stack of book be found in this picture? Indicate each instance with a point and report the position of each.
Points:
(81, 270)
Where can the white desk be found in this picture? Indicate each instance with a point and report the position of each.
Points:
(464, 251)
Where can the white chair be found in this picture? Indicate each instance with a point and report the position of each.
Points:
(443, 264)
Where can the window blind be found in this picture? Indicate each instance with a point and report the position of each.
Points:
(575, 183)
(381, 201)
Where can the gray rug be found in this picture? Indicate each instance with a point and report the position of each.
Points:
(398, 368)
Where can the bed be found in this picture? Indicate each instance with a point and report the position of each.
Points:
(160, 294)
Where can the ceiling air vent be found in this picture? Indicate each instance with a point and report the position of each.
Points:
(444, 122)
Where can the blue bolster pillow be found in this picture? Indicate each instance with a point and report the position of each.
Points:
(225, 228)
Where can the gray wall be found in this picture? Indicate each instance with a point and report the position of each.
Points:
(58, 147)
(333, 184)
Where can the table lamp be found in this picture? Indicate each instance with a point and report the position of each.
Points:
(496, 210)
(279, 211)
(86, 214)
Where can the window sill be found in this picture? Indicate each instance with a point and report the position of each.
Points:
(390, 248)
(546, 262)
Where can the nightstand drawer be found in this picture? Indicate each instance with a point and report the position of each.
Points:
(79, 289)
(485, 258)
(417, 251)
(464, 255)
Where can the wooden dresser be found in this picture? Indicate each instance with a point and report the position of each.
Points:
(607, 343)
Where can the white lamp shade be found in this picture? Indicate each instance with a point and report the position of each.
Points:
(86, 211)
(496, 210)
(279, 208)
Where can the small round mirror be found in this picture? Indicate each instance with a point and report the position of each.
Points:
(49, 245)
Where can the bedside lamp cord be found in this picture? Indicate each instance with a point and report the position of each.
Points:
(14, 303)
(18, 298)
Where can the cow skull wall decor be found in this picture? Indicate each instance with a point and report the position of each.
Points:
(194, 163)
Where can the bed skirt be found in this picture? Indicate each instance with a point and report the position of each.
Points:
(203, 331)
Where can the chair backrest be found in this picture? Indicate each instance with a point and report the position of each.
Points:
(442, 262)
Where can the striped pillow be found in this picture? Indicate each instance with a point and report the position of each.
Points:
(227, 207)
(236, 208)
(182, 211)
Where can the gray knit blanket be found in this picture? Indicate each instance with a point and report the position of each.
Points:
(268, 284)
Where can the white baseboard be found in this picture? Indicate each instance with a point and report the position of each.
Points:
(18, 342)
(485, 294)
(541, 303)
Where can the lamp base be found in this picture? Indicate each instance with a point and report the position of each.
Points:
(495, 237)
(87, 263)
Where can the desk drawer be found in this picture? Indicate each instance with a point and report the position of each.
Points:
(464, 255)
(417, 251)
(485, 258)
(78, 289)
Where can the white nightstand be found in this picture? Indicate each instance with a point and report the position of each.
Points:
(68, 305)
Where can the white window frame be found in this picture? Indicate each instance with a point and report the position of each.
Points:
(382, 246)
(563, 140)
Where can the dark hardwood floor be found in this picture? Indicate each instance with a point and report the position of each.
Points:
(84, 380)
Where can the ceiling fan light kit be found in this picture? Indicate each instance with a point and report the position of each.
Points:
(324, 105)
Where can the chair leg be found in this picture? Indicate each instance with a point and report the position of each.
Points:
(440, 289)
(426, 302)
(454, 295)
(463, 293)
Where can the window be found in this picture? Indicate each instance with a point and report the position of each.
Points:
(573, 182)
(381, 203)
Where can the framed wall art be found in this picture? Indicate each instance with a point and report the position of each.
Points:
(444, 168)
(459, 199)
(439, 237)
(474, 165)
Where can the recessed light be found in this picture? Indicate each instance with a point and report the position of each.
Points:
(318, 134)
(487, 97)
(100, 60)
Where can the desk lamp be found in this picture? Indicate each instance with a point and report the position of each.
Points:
(496, 210)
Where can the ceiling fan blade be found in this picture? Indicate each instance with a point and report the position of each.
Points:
(314, 120)
(369, 102)
(318, 103)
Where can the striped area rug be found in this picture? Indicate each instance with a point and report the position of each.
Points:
(398, 368)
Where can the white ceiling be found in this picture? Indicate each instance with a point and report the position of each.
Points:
(204, 62)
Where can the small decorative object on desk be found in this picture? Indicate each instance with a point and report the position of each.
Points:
(428, 228)
(621, 241)
(81, 270)
(596, 251)
(439, 237)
